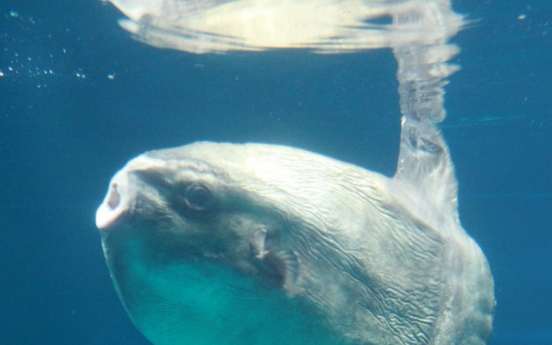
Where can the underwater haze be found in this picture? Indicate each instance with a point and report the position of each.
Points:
(79, 98)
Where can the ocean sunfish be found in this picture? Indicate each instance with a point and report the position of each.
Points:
(214, 243)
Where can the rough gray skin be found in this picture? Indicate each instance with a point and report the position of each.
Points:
(260, 244)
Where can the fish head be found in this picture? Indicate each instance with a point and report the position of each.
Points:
(197, 256)
(183, 208)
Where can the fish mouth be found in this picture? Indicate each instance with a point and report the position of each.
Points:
(116, 202)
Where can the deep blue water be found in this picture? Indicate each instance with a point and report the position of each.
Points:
(66, 127)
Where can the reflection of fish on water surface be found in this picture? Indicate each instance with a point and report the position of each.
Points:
(263, 244)
(326, 26)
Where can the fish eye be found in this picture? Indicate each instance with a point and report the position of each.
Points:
(198, 197)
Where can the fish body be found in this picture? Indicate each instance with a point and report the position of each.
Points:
(215, 243)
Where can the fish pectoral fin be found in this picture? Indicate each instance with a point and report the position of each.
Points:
(257, 243)
(285, 263)
(279, 263)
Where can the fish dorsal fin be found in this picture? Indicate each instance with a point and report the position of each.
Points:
(425, 165)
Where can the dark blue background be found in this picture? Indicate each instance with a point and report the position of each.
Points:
(64, 133)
